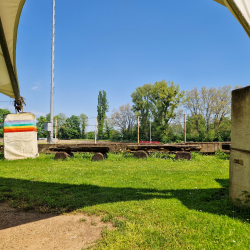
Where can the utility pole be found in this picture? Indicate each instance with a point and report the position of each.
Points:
(185, 128)
(138, 130)
(52, 75)
(150, 132)
(95, 128)
(87, 129)
(55, 130)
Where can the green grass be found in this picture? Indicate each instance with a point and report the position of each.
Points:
(158, 203)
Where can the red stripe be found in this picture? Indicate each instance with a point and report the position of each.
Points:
(14, 130)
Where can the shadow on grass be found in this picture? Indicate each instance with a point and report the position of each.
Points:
(54, 197)
(1, 156)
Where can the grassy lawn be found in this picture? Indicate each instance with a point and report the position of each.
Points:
(154, 203)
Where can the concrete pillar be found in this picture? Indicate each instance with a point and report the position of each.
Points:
(239, 179)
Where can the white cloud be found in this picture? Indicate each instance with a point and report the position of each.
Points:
(36, 86)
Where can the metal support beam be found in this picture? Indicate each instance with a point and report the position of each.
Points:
(8, 62)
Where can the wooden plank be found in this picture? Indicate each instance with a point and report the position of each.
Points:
(164, 148)
(79, 148)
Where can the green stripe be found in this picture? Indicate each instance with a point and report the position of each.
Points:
(19, 125)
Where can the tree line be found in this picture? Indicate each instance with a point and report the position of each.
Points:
(160, 108)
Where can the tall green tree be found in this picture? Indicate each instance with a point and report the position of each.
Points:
(40, 126)
(213, 104)
(61, 118)
(102, 109)
(143, 106)
(2, 113)
(83, 123)
(71, 128)
(166, 98)
(196, 128)
(108, 129)
(158, 102)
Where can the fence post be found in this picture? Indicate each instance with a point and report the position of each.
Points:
(185, 129)
(55, 130)
(95, 128)
(138, 130)
(150, 132)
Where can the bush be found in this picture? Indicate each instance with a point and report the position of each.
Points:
(221, 155)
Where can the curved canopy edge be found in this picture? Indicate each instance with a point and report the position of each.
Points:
(241, 11)
(10, 12)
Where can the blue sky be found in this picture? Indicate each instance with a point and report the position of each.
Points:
(118, 45)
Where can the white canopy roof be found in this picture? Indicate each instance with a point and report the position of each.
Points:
(10, 11)
(241, 11)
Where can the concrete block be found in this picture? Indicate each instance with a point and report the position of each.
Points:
(140, 154)
(240, 132)
(98, 157)
(61, 155)
(183, 155)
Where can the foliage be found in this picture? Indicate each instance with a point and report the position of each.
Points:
(71, 128)
(125, 119)
(157, 102)
(3, 112)
(83, 123)
(107, 129)
(209, 110)
(67, 128)
(158, 107)
(91, 135)
(102, 109)
(221, 155)
(196, 130)
(213, 104)
(115, 135)
(61, 118)
(41, 133)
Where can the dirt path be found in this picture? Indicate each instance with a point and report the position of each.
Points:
(31, 230)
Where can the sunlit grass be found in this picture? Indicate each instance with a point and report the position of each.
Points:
(157, 203)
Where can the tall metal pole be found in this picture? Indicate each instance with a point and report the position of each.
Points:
(185, 132)
(150, 132)
(138, 131)
(55, 130)
(52, 74)
(95, 128)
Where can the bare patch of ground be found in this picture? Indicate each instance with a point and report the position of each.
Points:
(32, 230)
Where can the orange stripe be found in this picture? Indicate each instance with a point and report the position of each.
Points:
(13, 130)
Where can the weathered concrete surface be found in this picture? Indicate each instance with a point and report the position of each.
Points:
(98, 157)
(240, 131)
(171, 148)
(61, 155)
(206, 147)
(211, 147)
(182, 155)
(240, 146)
(239, 175)
(140, 154)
